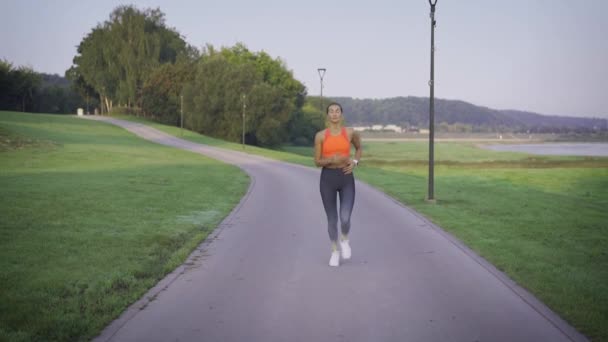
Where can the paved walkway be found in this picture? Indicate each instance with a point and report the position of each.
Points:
(263, 274)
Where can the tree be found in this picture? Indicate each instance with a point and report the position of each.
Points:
(162, 91)
(305, 123)
(18, 87)
(82, 88)
(213, 100)
(116, 57)
(92, 68)
(6, 85)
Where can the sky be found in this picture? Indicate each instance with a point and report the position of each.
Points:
(544, 56)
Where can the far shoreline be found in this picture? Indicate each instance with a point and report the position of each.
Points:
(498, 138)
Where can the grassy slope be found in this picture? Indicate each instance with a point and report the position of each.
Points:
(195, 137)
(92, 217)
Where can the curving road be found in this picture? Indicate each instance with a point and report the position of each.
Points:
(263, 274)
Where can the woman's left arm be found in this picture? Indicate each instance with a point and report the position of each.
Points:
(356, 141)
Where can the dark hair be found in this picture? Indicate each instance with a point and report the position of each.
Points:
(333, 104)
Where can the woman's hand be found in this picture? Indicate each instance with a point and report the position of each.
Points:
(348, 169)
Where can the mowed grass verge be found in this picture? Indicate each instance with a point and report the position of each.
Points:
(92, 217)
(185, 134)
(540, 219)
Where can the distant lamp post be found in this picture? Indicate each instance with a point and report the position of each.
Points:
(244, 98)
(321, 74)
(181, 113)
(431, 193)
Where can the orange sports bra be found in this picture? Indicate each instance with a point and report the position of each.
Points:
(338, 144)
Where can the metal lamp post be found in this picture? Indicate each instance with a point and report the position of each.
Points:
(431, 193)
(181, 113)
(243, 98)
(321, 74)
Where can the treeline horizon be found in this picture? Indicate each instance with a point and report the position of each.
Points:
(460, 116)
(52, 93)
(23, 89)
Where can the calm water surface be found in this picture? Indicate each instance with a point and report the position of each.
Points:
(560, 149)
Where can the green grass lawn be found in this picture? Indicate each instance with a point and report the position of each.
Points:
(92, 217)
(540, 219)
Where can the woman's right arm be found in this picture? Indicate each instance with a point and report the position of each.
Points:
(319, 161)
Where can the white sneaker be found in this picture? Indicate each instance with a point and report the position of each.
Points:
(335, 259)
(345, 247)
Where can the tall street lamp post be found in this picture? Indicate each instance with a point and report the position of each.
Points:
(244, 97)
(431, 193)
(321, 74)
(181, 113)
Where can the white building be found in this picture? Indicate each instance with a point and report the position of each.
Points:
(393, 128)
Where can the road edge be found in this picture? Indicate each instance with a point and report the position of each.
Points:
(110, 330)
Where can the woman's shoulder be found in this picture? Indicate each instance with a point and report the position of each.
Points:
(350, 131)
(320, 135)
(352, 134)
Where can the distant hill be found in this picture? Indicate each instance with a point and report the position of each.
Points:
(414, 111)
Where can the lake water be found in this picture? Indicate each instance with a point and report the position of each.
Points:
(561, 149)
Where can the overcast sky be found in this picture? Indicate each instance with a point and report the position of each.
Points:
(546, 56)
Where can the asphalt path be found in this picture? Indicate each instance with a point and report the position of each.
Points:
(263, 274)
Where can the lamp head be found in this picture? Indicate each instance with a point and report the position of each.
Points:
(322, 70)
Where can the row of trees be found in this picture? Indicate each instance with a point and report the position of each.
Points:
(17, 86)
(134, 63)
(23, 89)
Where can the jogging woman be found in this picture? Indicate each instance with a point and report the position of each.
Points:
(332, 152)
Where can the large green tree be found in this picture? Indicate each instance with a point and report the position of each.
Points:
(227, 79)
(116, 57)
(214, 99)
(163, 88)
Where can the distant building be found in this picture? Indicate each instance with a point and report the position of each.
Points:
(393, 128)
(424, 131)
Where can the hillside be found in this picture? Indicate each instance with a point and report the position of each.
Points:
(413, 111)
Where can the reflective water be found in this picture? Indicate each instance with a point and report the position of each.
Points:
(563, 149)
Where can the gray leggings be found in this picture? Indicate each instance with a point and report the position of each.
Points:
(333, 182)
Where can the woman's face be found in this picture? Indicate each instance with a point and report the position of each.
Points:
(334, 113)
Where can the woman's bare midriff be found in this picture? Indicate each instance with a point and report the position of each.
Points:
(341, 166)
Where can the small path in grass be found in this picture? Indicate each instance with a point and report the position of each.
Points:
(264, 276)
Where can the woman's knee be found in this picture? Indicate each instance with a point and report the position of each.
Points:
(345, 219)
